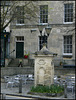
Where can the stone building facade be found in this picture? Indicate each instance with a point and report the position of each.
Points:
(26, 35)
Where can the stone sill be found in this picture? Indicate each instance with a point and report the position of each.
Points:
(67, 56)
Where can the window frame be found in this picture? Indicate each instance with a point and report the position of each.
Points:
(43, 15)
(64, 14)
(43, 42)
(68, 54)
(20, 9)
(19, 38)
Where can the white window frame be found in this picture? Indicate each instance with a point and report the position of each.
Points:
(67, 54)
(64, 16)
(19, 40)
(19, 24)
(47, 18)
(17, 19)
(42, 40)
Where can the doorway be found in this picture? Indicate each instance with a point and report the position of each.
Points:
(19, 49)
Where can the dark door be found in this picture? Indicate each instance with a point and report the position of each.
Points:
(19, 49)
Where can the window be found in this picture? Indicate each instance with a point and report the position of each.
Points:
(44, 14)
(20, 15)
(68, 11)
(42, 39)
(20, 38)
(68, 44)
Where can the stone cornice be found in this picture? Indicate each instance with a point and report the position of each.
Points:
(35, 26)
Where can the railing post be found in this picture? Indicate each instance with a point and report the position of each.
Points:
(20, 85)
(3, 96)
(65, 90)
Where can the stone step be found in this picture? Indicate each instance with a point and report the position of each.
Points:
(22, 67)
(15, 62)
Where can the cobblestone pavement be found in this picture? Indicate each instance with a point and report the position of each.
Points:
(26, 88)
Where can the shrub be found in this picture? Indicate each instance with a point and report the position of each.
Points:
(47, 89)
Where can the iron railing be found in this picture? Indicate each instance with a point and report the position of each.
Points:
(10, 54)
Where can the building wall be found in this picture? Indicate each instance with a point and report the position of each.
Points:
(55, 40)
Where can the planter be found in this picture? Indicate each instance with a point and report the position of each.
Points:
(35, 93)
(51, 94)
(47, 94)
(54, 94)
(25, 56)
(59, 94)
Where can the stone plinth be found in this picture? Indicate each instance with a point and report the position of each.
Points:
(44, 67)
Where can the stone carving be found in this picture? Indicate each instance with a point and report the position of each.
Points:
(41, 76)
(41, 62)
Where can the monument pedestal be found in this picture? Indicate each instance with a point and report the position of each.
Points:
(44, 67)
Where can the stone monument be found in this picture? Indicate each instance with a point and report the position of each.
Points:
(44, 67)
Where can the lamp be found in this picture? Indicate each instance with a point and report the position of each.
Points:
(47, 29)
(40, 27)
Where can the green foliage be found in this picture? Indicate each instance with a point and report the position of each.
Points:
(27, 53)
(47, 89)
(63, 62)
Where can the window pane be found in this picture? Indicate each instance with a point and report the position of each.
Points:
(19, 38)
(20, 14)
(68, 9)
(68, 44)
(43, 13)
(70, 48)
(42, 39)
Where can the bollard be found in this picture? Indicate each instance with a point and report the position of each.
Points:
(20, 85)
(65, 90)
(3, 96)
(73, 91)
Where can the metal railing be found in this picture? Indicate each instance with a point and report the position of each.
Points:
(9, 55)
(2, 96)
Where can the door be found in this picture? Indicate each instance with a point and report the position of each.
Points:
(19, 49)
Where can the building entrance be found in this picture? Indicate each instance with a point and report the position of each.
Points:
(19, 49)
